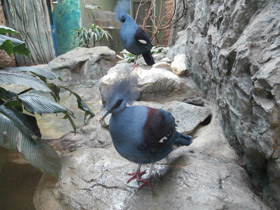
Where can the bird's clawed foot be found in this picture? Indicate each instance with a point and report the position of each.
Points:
(135, 65)
(136, 175)
(145, 182)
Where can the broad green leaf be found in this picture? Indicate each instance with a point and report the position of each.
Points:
(26, 123)
(15, 41)
(27, 80)
(55, 91)
(41, 105)
(82, 105)
(14, 137)
(67, 116)
(37, 70)
(12, 45)
(22, 50)
(5, 94)
(5, 29)
(7, 46)
(10, 99)
(16, 105)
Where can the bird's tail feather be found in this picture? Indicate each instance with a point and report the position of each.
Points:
(183, 140)
(148, 58)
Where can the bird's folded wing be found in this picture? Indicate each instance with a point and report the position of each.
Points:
(142, 38)
(158, 129)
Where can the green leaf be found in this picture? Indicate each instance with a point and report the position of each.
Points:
(5, 29)
(5, 94)
(34, 69)
(10, 99)
(16, 105)
(13, 135)
(82, 105)
(12, 45)
(41, 105)
(8, 47)
(88, 36)
(67, 116)
(23, 79)
(26, 123)
(22, 50)
(15, 41)
(55, 91)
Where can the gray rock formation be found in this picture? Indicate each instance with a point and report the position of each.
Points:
(179, 65)
(83, 65)
(234, 55)
(94, 135)
(54, 126)
(205, 175)
(154, 83)
(187, 117)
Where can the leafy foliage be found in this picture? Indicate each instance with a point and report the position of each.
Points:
(20, 132)
(12, 45)
(126, 56)
(18, 126)
(87, 37)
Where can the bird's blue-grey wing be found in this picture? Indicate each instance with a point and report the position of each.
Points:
(158, 130)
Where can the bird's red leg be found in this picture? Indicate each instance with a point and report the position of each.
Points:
(137, 174)
(146, 181)
(135, 64)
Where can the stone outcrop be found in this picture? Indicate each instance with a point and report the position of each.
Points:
(94, 135)
(155, 84)
(179, 65)
(83, 65)
(234, 55)
(205, 175)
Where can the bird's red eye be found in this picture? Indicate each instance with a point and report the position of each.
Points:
(119, 102)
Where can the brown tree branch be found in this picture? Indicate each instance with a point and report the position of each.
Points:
(158, 22)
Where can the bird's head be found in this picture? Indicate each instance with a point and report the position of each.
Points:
(122, 92)
(121, 10)
(123, 17)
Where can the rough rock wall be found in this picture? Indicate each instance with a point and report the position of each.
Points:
(233, 53)
(185, 8)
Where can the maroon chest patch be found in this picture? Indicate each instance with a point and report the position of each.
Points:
(156, 128)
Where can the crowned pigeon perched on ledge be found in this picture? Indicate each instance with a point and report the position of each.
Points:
(133, 38)
(140, 134)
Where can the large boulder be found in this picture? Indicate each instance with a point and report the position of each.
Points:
(154, 83)
(187, 116)
(205, 175)
(92, 135)
(83, 65)
(233, 52)
(95, 135)
(53, 126)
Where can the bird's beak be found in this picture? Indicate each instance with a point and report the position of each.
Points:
(104, 115)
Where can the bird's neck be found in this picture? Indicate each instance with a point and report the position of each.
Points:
(118, 111)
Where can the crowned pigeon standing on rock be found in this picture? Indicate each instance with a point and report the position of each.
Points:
(140, 134)
(134, 39)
